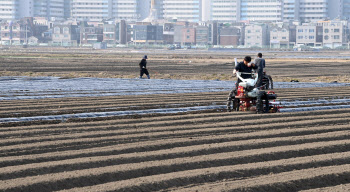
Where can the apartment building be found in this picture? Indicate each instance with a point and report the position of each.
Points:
(261, 10)
(309, 35)
(65, 35)
(182, 10)
(223, 11)
(114, 32)
(346, 9)
(307, 10)
(9, 9)
(17, 9)
(334, 34)
(148, 34)
(257, 35)
(14, 33)
(230, 36)
(92, 10)
(280, 37)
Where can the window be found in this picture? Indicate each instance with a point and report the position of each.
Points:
(66, 30)
(336, 37)
(326, 30)
(311, 37)
(312, 30)
(300, 30)
(336, 30)
(284, 37)
(326, 37)
(57, 30)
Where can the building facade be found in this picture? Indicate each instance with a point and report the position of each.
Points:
(309, 35)
(257, 36)
(280, 37)
(9, 9)
(17, 9)
(92, 10)
(65, 35)
(182, 10)
(334, 34)
(224, 11)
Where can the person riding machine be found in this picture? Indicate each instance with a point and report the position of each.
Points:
(246, 96)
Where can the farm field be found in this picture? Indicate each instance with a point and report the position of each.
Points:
(169, 150)
(199, 151)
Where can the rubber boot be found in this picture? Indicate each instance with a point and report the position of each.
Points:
(148, 77)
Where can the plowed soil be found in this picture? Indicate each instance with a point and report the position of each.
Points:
(210, 150)
(203, 151)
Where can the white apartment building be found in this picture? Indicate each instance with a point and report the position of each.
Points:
(16, 9)
(9, 9)
(334, 34)
(242, 10)
(256, 36)
(182, 10)
(223, 10)
(92, 10)
(308, 34)
(279, 37)
(126, 10)
(51, 9)
(306, 10)
(261, 10)
(274, 10)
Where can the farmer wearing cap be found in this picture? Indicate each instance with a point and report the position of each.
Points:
(143, 69)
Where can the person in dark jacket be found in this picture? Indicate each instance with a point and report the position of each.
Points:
(143, 69)
(260, 62)
(245, 67)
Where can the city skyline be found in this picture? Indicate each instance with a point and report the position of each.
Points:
(181, 10)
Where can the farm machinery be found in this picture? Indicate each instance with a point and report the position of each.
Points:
(250, 98)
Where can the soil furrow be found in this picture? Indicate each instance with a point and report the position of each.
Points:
(119, 139)
(34, 135)
(150, 164)
(178, 179)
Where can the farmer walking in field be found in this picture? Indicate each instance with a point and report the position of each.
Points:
(260, 62)
(143, 69)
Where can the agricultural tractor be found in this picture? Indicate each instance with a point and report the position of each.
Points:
(250, 98)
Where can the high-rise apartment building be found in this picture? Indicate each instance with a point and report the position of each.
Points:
(182, 10)
(224, 11)
(16, 9)
(274, 10)
(261, 10)
(345, 9)
(9, 9)
(305, 10)
(92, 10)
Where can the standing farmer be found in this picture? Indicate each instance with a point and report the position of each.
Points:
(143, 69)
(260, 62)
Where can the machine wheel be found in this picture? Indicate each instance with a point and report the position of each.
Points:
(232, 102)
(266, 82)
(271, 81)
(262, 103)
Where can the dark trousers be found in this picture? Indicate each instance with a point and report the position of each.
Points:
(143, 71)
(260, 79)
